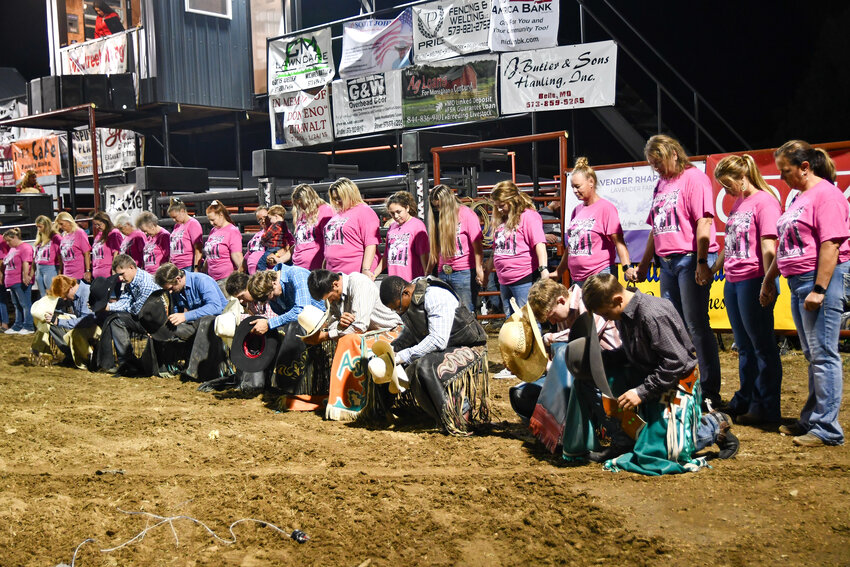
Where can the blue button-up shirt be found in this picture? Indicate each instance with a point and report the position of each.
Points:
(80, 307)
(199, 297)
(135, 293)
(295, 296)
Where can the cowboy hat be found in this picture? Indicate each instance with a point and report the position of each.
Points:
(252, 352)
(521, 344)
(42, 307)
(100, 292)
(228, 320)
(312, 319)
(392, 374)
(153, 316)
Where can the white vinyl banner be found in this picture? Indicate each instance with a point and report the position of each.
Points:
(367, 104)
(103, 56)
(372, 46)
(116, 150)
(300, 62)
(517, 25)
(448, 28)
(300, 119)
(123, 199)
(573, 76)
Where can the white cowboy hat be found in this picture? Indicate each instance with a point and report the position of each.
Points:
(312, 319)
(521, 344)
(384, 369)
(42, 307)
(226, 323)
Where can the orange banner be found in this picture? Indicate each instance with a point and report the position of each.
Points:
(42, 155)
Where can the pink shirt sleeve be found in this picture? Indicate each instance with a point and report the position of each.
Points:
(471, 224)
(25, 253)
(81, 241)
(421, 244)
(699, 197)
(611, 220)
(767, 217)
(370, 226)
(830, 217)
(195, 232)
(534, 234)
(234, 239)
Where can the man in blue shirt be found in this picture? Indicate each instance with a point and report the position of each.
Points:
(285, 286)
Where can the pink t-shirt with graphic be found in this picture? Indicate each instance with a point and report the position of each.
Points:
(405, 245)
(185, 237)
(588, 239)
(102, 253)
(815, 216)
(134, 246)
(14, 263)
(347, 235)
(254, 251)
(677, 205)
(48, 254)
(157, 250)
(309, 239)
(513, 250)
(220, 244)
(468, 232)
(73, 248)
(751, 219)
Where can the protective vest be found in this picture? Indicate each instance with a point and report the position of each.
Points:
(466, 330)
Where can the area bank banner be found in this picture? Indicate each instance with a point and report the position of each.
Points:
(300, 119)
(460, 90)
(517, 25)
(448, 28)
(300, 62)
(560, 78)
(372, 46)
(367, 104)
(106, 55)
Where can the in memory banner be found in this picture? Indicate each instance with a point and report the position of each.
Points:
(367, 104)
(300, 119)
(448, 28)
(518, 25)
(560, 78)
(105, 56)
(373, 46)
(300, 62)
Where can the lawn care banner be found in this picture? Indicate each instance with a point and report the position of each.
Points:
(300, 119)
(560, 78)
(448, 28)
(517, 25)
(300, 62)
(372, 46)
(104, 56)
(367, 104)
(460, 90)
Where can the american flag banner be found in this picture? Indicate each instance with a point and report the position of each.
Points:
(372, 46)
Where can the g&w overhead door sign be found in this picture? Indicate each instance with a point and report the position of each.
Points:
(448, 28)
(300, 119)
(459, 90)
(367, 104)
(573, 76)
(517, 25)
(372, 46)
(301, 62)
(101, 56)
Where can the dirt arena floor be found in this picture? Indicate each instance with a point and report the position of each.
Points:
(77, 449)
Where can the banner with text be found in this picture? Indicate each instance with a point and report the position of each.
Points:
(460, 90)
(517, 25)
(42, 155)
(560, 78)
(367, 104)
(123, 199)
(372, 46)
(300, 62)
(7, 166)
(447, 28)
(116, 150)
(300, 119)
(106, 55)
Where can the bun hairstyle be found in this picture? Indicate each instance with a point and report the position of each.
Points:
(12, 233)
(798, 151)
(175, 205)
(583, 166)
(404, 199)
(219, 209)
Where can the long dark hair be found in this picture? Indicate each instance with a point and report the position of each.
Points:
(103, 7)
(104, 218)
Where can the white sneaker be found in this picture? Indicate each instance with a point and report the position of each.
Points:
(503, 374)
(11, 331)
(25, 332)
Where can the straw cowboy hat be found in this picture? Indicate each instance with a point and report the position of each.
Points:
(384, 369)
(42, 307)
(523, 351)
(312, 319)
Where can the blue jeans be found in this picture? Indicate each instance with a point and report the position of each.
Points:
(461, 282)
(518, 291)
(4, 310)
(22, 300)
(605, 270)
(262, 263)
(818, 332)
(759, 366)
(44, 274)
(678, 284)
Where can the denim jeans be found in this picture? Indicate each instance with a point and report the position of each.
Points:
(4, 310)
(605, 270)
(818, 332)
(759, 366)
(22, 300)
(517, 291)
(461, 282)
(44, 274)
(707, 430)
(678, 284)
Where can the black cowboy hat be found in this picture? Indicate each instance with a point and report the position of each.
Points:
(101, 291)
(154, 315)
(251, 352)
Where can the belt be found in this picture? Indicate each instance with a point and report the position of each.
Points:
(447, 269)
(676, 256)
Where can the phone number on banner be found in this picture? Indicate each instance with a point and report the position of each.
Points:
(555, 102)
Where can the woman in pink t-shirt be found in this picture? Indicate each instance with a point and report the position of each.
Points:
(684, 240)
(74, 248)
(17, 276)
(519, 244)
(749, 250)
(594, 234)
(814, 255)
(310, 215)
(456, 243)
(223, 248)
(106, 245)
(254, 250)
(134, 239)
(157, 242)
(353, 233)
(185, 246)
(48, 260)
(407, 248)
